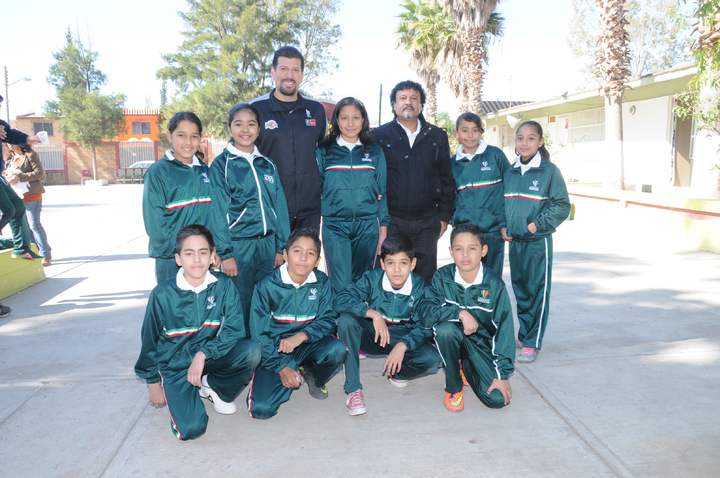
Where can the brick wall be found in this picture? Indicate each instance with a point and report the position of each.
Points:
(79, 159)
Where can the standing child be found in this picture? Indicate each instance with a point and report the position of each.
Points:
(249, 200)
(470, 310)
(293, 319)
(176, 193)
(478, 170)
(536, 203)
(193, 339)
(377, 314)
(354, 207)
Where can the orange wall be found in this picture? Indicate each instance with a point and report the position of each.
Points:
(129, 120)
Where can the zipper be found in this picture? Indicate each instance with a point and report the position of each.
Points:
(352, 181)
(257, 183)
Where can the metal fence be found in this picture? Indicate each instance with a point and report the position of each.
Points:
(51, 156)
(216, 147)
(134, 151)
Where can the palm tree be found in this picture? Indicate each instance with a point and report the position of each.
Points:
(612, 67)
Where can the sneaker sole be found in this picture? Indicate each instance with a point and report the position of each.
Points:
(357, 411)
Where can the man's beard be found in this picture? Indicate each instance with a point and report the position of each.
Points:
(288, 91)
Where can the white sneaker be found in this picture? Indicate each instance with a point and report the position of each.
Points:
(398, 382)
(225, 408)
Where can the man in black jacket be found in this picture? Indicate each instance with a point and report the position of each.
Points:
(420, 184)
(291, 126)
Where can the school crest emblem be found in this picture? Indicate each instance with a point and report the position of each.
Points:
(485, 166)
(205, 178)
(310, 122)
(269, 178)
(211, 302)
(307, 113)
(313, 294)
(367, 157)
(534, 187)
(271, 124)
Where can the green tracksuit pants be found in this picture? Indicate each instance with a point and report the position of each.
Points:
(531, 272)
(227, 376)
(165, 269)
(255, 259)
(350, 248)
(267, 392)
(477, 364)
(359, 333)
(495, 257)
(12, 211)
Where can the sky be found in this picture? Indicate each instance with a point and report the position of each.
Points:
(531, 62)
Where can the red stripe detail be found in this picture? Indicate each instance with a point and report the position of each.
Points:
(181, 334)
(162, 385)
(193, 203)
(252, 385)
(212, 325)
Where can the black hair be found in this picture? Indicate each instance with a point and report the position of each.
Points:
(407, 85)
(186, 116)
(288, 52)
(25, 149)
(1, 98)
(364, 135)
(247, 107)
(395, 244)
(467, 227)
(308, 232)
(538, 129)
(193, 230)
(470, 118)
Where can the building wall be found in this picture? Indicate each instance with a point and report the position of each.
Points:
(79, 159)
(25, 124)
(128, 134)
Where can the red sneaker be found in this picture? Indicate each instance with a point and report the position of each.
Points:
(454, 401)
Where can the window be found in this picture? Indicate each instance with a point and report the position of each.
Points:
(140, 127)
(48, 127)
(587, 125)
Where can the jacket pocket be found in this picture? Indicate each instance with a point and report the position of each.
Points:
(518, 227)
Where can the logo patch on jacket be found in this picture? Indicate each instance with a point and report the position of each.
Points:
(310, 122)
(272, 124)
(483, 299)
(307, 113)
(211, 302)
(367, 157)
(485, 166)
(269, 178)
(205, 178)
(534, 187)
(313, 294)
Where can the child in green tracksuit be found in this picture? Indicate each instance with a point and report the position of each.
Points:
(536, 203)
(193, 339)
(176, 193)
(478, 170)
(469, 308)
(377, 314)
(249, 199)
(354, 204)
(293, 319)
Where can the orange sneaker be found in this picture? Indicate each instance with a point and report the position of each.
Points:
(454, 401)
(462, 374)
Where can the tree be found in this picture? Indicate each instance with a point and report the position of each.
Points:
(227, 52)
(84, 114)
(657, 38)
(612, 66)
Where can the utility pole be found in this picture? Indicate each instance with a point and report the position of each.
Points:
(380, 107)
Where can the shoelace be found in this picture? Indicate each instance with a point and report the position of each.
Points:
(528, 350)
(356, 399)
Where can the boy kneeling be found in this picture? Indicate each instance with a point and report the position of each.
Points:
(377, 316)
(469, 308)
(292, 317)
(193, 339)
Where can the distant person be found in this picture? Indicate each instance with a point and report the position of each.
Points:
(176, 193)
(478, 170)
(12, 211)
(420, 184)
(190, 352)
(4, 311)
(536, 203)
(378, 313)
(354, 202)
(469, 309)
(25, 167)
(13, 136)
(291, 127)
(249, 200)
(292, 317)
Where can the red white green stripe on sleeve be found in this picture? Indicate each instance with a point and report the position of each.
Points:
(213, 323)
(293, 318)
(532, 197)
(187, 202)
(342, 167)
(479, 184)
(394, 320)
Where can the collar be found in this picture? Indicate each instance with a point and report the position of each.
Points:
(276, 106)
(285, 277)
(461, 154)
(533, 163)
(461, 281)
(169, 156)
(407, 130)
(406, 289)
(249, 156)
(183, 284)
(350, 146)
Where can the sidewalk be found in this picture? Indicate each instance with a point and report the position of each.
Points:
(626, 385)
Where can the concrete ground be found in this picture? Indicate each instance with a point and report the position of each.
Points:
(635, 322)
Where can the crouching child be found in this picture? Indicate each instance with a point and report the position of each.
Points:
(194, 341)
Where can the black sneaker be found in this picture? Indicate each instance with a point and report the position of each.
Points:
(319, 393)
(4, 310)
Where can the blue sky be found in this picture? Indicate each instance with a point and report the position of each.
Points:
(130, 41)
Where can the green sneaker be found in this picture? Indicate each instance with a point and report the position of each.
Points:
(319, 393)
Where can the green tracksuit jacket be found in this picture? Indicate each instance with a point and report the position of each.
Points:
(397, 309)
(180, 323)
(175, 195)
(351, 182)
(538, 196)
(479, 190)
(489, 304)
(280, 310)
(249, 198)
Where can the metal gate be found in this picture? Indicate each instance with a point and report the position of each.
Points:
(134, 151)
(51, 156)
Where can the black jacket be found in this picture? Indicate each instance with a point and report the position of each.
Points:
(290, 138)
(13, 137)
(419, 180)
